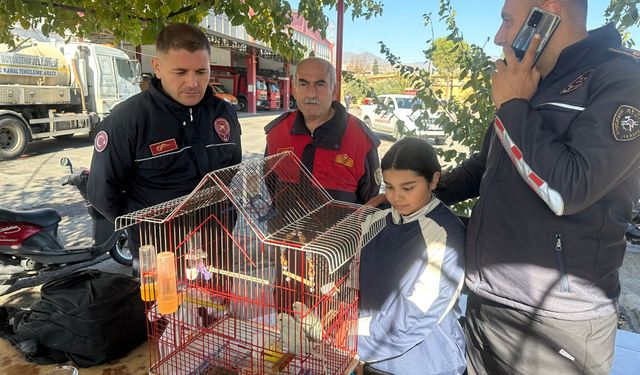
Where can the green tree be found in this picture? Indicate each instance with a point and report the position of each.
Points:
(444, 56)
(138, 21)
(375, 69)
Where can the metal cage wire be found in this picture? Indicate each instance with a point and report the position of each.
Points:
(265, 270)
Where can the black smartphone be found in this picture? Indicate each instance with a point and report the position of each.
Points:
(538, 22)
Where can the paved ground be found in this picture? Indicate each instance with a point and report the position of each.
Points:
(33, 181)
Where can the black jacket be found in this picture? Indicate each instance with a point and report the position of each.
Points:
(152, 149)
(557, 178)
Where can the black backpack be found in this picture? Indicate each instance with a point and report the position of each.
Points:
(89, 317)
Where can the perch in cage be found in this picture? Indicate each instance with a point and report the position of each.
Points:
(266, 277)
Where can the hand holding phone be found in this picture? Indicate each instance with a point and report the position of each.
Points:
(538, 22)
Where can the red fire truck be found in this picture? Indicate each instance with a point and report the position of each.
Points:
(266, 89)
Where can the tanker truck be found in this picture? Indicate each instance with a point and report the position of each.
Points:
(58, 90)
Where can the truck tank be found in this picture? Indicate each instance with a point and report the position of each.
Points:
(33, 64)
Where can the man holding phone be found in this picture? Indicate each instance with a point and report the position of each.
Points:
(557, 177)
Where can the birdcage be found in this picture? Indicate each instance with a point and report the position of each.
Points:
(265, 269)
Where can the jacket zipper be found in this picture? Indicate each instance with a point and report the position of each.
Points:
(559, 250)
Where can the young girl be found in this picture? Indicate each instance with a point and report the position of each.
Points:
(411, 273)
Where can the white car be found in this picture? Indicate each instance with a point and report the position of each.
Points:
(400, 109)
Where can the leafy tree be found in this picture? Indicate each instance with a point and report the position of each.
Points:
(138, 21)
(444, 56)
(625, 15)
(375, 69)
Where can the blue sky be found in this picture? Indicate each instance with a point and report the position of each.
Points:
(401, 26)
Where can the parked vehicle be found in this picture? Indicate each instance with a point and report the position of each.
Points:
(234, 80)
(221, 92)
(30, 238)
(396, 109)
(273, 93)
(58, 90)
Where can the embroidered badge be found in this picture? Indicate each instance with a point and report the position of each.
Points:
(163, 147)
(345, 160)
(284, 149)
(626, 123)
(378, 176)
(582, 78)
(101, 141)
(221, 125)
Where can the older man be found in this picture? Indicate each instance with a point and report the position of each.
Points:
(336, 147)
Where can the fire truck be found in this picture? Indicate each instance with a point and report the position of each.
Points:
(267, 90)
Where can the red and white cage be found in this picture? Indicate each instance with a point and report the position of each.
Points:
(266, 273)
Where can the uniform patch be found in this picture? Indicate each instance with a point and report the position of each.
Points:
(284, 149)
(626, 123)
(378, 176)
(221, 125)
(582, 78)
(163, 147)
(101, 141)
(345, 160)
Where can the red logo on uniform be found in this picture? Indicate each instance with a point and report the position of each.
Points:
(223, 129)
(344, 159)
(163, 147)
(101, 141)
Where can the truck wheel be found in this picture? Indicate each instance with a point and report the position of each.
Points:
(14, 137)
(292, 103)
(242, 105)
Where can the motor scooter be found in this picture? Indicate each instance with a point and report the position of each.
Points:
(30, 238)
(633, 228)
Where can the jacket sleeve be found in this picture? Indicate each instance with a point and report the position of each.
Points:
(369, 183)
(463, 181)
(573, 170)
(111, 168)
(413, 315)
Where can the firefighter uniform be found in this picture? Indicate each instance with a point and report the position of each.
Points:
(557, 178)
(152, 149)
(342, 154)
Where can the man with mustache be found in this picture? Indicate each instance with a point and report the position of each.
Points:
(337, 149)
(159, 144)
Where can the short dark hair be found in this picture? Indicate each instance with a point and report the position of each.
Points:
(414, 154)
(182, 36)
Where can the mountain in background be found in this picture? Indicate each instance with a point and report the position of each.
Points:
(367, 58)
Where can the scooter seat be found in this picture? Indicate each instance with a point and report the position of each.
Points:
(43, 217)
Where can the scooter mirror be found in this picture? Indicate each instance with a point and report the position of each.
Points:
(65, 162)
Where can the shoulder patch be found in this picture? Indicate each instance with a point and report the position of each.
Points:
(221, 126)
(276, 121)
(101, 141)
(626, 123)
(632, 53)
